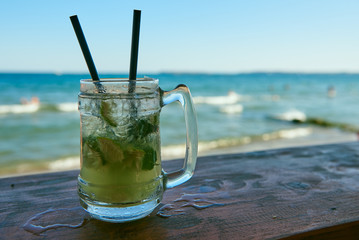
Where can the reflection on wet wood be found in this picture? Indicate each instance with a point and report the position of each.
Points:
(296, 193)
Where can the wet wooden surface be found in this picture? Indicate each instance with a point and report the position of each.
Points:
(295, 193)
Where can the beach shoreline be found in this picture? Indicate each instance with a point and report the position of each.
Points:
(317, 136)
(317, 139)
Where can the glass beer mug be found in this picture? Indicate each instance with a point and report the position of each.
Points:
(121, 178)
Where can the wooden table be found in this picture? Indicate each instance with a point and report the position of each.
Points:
(294, 193)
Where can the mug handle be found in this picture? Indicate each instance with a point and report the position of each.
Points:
(182, 94)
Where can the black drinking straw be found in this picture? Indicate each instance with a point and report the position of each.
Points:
(134, 49)
(86, 52)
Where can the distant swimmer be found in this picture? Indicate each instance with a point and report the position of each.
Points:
(331, 92)
(33, 101)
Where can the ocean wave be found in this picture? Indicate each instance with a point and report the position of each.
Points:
(64, 164)
(33, 108)
(231, 109)
(291, 115)
(231, 98)
(19, 108)
(67, 107)
(205, 146)
(299, 117)
(227, 104)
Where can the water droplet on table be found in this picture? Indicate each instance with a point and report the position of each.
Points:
(37, 229)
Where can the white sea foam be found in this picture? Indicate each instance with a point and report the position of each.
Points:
(291, 115)
(32, 108)
(173, 151)
(231, 98)
(294, 133)
(19, 108)
(232, 109)
(68, 107)
(64, 164)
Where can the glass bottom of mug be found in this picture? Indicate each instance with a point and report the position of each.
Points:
(119, 214)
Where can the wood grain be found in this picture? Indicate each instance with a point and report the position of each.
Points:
(295, 193)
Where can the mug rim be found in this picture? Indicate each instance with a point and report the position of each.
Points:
(121, 80)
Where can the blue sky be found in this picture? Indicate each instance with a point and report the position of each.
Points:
(183, 36)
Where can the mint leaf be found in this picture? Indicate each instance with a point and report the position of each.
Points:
(141, 128)
(92, 158)
(149, 160)
(106, 113)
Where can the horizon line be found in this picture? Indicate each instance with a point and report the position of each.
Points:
(182, 72)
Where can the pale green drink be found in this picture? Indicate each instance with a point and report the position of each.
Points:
(121, 178)
(111, 160)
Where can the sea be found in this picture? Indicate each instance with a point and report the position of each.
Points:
(233, 110)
